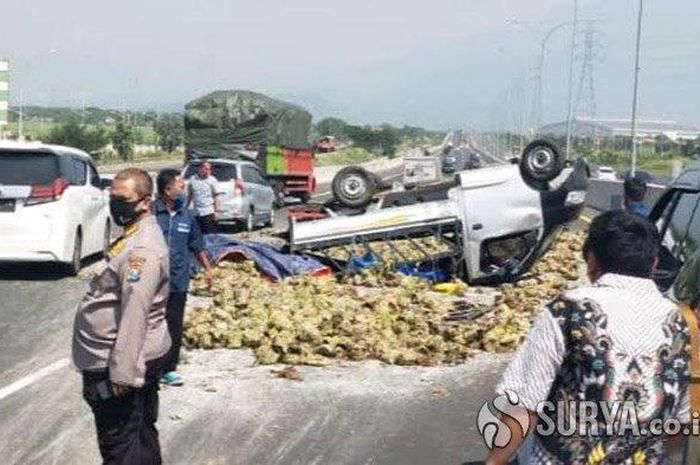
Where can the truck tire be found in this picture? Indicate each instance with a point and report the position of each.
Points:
(278, 189)
(540, 163)
(353, 187)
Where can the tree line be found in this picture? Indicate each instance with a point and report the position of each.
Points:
(384, 138)
(122, 135)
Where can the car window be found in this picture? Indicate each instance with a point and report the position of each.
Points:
(190, 170)
(692, 240)
(676, 233)
(251, 174)
(94, 177)
(224, 172)
(78, 174)
(28, 168)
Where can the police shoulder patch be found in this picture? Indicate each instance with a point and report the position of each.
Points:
(133, 273)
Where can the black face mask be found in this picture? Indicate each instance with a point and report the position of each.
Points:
(123, 212)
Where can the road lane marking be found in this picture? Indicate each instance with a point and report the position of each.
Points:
(33, 378)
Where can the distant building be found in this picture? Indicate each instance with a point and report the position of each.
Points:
(4, 93)
(609, 128)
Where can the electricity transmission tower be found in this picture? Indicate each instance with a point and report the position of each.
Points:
(585, 97)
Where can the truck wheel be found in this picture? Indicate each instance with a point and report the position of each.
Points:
(278, 190)
(353, 187)
(540, 162)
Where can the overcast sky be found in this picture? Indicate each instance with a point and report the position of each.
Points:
(438, 63)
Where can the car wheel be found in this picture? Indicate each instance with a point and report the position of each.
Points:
(76, 260)
(270, 219)
(353, 187)
(250, 221)
(540, 163)
(107, 241)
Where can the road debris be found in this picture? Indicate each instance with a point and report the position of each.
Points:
(289, 372)
(373, 314)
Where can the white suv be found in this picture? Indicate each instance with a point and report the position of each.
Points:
(53, 206)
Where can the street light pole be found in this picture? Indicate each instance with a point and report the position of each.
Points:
(538, 102)
(633, 131)
(570, 103)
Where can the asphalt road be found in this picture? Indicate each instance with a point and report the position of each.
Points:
(230, 411)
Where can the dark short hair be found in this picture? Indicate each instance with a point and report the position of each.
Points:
(635, 189)
(623, 243)
(165, 177)
(142, 180)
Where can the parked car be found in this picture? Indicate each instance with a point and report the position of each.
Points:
(53, 205)
(449, 164)
(677, 217)
(246, 196)
(606, 173)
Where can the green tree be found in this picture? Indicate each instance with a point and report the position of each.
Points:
(388, 140)
(170, 132)
(123, 139)
(335, 127)
(74, 134)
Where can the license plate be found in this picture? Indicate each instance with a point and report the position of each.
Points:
(7, 205)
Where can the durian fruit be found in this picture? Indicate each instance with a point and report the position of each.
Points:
(374, 314)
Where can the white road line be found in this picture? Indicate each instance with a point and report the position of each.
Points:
(34, 377)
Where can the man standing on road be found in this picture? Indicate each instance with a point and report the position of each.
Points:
(120, 332)
(614, 342)
(203, 194)
(635, 191)
(183, 236)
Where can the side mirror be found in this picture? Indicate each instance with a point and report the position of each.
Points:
(105, 183)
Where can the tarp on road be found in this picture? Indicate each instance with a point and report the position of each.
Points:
(270, 260)
(220, 122)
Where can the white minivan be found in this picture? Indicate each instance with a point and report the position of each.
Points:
(53, 205)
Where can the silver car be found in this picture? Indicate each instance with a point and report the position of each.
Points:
(245, 195)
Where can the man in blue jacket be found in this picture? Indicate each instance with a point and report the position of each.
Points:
(183, 236)
(635, 190)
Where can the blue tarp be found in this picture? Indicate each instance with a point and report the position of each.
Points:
(271, 261)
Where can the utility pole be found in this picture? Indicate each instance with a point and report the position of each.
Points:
(633, 131)
(570, 104)
(20, 126)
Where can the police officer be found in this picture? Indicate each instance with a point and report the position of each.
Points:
(120, 330)
(183, 235)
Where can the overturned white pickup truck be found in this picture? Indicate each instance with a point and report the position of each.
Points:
(493, 223)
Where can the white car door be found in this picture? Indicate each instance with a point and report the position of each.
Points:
(98, 208)
(88, 203)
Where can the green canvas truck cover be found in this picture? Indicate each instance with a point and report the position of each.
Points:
(221, 121)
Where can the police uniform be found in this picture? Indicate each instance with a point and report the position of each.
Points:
(184, 237)
(119, 335)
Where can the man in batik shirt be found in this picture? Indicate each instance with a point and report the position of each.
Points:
(616, 341)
